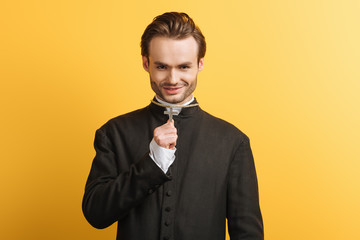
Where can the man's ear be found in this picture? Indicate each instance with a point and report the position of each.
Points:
(145, 62)
(201, 64)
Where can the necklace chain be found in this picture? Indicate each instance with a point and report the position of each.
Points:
(168, 106)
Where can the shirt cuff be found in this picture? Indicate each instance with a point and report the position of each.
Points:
(163, 157)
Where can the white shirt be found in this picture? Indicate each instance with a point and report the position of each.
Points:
(164, 157)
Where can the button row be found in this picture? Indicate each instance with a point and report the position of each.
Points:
(168, 209)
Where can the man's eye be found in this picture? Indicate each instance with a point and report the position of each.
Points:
(161, 67)
(184, 67)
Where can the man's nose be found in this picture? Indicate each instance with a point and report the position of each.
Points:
(173, 78)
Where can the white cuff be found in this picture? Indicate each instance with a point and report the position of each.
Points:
(163, 157)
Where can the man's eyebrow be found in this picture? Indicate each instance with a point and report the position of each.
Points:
(160, 63)
(164, 64)
(185, 63)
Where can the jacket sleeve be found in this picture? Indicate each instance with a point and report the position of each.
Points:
(243, 211)
(110, 193)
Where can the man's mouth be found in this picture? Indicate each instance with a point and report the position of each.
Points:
(172, 90)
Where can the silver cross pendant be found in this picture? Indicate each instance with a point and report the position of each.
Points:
(170, 113)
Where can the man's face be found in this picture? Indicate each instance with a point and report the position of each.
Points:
(173, 67)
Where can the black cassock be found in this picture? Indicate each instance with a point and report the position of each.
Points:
(212, 178)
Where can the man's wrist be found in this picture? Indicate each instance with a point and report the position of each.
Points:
(163, 157)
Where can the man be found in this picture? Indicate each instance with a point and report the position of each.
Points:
(171, 170)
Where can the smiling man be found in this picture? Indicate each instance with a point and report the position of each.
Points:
(171, 170)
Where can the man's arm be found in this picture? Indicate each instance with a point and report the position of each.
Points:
(243, 211)
(110, 195)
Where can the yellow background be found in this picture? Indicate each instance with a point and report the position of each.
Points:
(287, 73)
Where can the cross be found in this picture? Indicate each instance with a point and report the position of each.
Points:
(170, 113)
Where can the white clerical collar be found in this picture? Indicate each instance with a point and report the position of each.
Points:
(176, 108)
(174, 105)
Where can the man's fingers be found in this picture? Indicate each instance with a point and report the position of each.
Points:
(169, 123)
(166, 128)
(166, 141)
(166, 135)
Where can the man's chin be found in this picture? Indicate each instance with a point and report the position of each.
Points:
(173, 99)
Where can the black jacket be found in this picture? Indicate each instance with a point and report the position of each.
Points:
(212, 178)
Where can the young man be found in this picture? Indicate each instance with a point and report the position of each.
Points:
(171, 170)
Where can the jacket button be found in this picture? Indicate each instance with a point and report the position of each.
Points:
(166, 238)
(150, 191)
(168, 209)
(168, 193)
(167, 223)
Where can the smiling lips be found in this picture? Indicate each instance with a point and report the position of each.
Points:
(172, 90)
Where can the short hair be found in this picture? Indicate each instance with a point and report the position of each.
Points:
(175, 25)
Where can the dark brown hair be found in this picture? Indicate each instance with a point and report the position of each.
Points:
(173, 25)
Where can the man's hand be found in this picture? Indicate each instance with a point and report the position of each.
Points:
(166, 135)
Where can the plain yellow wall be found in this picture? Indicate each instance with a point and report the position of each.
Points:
(287, 73)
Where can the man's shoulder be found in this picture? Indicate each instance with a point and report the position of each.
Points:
(226, 128)
(126, 119)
